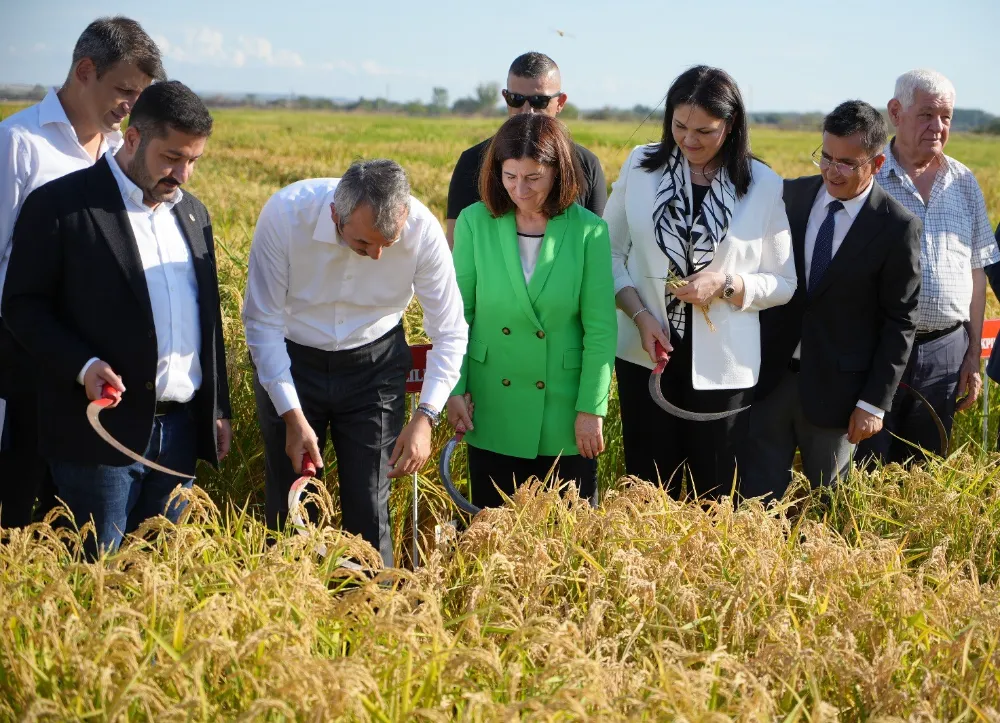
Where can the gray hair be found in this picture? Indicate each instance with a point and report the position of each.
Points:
(381, 184)
(929, 81)
(108, 41)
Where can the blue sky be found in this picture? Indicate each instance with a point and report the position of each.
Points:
(786, 55)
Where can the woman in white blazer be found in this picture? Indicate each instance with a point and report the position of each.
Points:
(697, 206)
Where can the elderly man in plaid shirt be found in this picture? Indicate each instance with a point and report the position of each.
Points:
(958, 243)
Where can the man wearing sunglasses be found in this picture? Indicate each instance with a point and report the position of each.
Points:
(533, 86)
(832, 357)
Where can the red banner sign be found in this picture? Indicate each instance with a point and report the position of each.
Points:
(990, 329)
(416, 379)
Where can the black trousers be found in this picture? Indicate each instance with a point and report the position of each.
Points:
(933, 370)
(24, 475)
(357, 396)
(489, 471)
(662, 447)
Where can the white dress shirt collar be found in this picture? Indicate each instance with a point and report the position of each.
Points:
(51, 111)
(326, 230)
(853, 205)
(131, 192)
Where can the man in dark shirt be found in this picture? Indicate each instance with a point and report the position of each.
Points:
(533, 86)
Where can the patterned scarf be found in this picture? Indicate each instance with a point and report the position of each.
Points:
(689, 243)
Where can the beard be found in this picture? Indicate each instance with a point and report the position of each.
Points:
(163, 190)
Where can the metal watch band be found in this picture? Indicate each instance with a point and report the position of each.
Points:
(431, 415)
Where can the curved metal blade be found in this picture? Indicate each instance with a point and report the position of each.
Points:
(445, 469)
(942, 432)
(657, 394)
(93, 415)
(295, 493)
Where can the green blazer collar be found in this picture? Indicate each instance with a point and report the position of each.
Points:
(526, 295)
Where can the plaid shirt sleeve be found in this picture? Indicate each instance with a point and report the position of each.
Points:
(984, 246)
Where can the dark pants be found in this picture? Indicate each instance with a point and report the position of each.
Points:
(777, 427)
(119, 499)
(359, 395)
(489, 471)
(660, 446)
(24, 474)
(933, 370)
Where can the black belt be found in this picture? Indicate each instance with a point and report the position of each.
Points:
(925, 336)
(165, 408)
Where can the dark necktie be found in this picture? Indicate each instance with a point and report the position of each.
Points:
(823, 250)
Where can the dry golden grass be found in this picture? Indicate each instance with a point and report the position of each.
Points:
(879, 604)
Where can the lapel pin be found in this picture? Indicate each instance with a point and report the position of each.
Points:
(191, 216)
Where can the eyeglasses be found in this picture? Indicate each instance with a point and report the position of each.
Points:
(844, 169)
(538, 102)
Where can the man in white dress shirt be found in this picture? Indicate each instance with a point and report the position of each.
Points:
(832, 357)
(113, 61)
(112, 281)
(333, 265)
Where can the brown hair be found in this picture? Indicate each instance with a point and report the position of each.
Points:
(542, 139)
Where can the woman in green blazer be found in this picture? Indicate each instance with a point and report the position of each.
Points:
(534, 269)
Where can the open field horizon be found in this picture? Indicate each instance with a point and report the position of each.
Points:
(881, 603)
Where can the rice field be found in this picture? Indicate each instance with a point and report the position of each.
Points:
(878, 603)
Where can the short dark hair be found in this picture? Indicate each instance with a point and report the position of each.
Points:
(532, 65)
(856, 116)
(714, 91)
(167, 105)
(540, 138)
(108, 41)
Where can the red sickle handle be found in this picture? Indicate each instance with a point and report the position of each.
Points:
(661, 357)
(109, 392)
(108, 395)
(308, 466)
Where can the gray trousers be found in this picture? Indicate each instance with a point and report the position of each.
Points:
(933, 370)
(359, 397)
(777, 428)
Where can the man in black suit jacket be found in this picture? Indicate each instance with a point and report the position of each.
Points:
(832, 357)
(112, 280)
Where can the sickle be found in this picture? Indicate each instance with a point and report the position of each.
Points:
(110, 395)
(942, 432)
(657, 394)
(295, 493)
(445, 469)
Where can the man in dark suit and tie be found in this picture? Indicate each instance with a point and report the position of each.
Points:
(832, 357)
(112, 280)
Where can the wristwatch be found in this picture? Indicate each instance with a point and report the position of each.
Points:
(727, 287)
(428, 411)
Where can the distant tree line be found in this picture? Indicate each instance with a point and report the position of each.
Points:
(486, 102)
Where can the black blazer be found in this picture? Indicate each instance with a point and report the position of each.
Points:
(857, 326)
(76, 289)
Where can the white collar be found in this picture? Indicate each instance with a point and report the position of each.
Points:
(326, 229)
(853, 205)
(132, 192)
(51, 111)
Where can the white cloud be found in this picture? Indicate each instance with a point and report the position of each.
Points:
(207, 46)
(39, 47)
(373, 68)
(343, 65)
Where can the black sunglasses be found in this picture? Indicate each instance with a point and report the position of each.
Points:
(538, 102)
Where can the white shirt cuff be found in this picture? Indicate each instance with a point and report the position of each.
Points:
(83, 372)
(284, 397)
(435, 393)
(871, 409)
